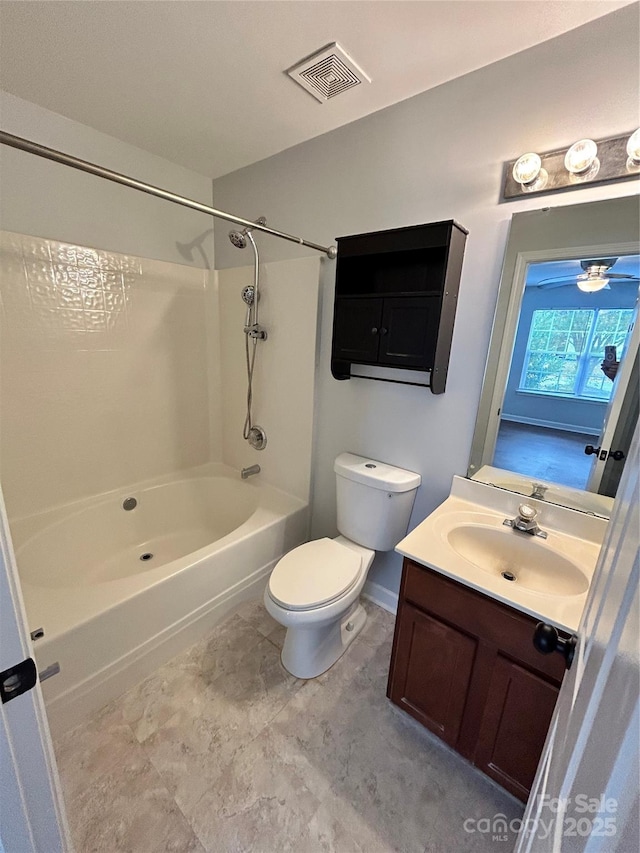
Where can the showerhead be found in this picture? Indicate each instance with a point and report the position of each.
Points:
(248, 293)
(239, 238)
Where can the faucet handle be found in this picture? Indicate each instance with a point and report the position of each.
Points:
(528, 513)
(539, 490)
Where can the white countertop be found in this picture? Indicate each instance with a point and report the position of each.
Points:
(573, 535)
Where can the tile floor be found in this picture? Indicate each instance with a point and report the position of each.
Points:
(221, 750)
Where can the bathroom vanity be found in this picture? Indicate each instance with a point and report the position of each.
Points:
(464, 666)
(463, 662)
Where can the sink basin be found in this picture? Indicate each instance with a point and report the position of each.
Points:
(520, 559)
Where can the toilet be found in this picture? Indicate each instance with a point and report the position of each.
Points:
(314, 590)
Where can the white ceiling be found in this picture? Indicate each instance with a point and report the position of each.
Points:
(202, 83)
(625, 265)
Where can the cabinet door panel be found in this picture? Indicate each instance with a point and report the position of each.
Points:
(356, 329)
(409, 331)
(433, 669)
(514, 726)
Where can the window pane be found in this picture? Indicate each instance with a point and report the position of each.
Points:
(562, 319)
(556, 342)
(582, 320)
(539, 341)
(542, 320)
(576, 342)
(597, 384)
(611, 329)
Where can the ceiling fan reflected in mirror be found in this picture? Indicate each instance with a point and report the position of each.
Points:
(595, 276)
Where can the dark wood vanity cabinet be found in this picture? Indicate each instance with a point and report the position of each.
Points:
(464, 665)
(395, 299)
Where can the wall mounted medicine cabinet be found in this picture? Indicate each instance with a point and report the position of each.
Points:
(395, 300)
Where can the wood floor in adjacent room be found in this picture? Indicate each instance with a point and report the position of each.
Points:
(549, 455)
(222, 750)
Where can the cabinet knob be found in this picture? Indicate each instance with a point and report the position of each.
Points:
(547, 640)
(589, 449)
(374, 330)
(383, 331)
(616, 454)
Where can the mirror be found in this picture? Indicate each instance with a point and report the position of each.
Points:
(552, 423)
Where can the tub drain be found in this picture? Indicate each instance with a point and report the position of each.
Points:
(146, 556)
(508, 576)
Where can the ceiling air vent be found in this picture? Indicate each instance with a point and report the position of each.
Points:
(328, 72)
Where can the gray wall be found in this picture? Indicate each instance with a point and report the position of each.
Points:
(46, 199)
(436, 156)
(584, 415)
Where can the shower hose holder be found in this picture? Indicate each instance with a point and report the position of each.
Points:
(257, 438)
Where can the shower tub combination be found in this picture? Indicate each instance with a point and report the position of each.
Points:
(120, 591)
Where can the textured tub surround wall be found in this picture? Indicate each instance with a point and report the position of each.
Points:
(436, 156)
(283, 397)
(104, 371)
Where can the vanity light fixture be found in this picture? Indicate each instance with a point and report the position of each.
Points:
(587, 161)
(581, 160)
(633, 150)
(528, 172)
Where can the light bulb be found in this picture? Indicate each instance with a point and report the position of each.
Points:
(581, 156)
(592, 285)
(633, 148)
(527, 168)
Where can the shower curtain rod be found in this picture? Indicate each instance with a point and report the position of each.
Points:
(93, 169)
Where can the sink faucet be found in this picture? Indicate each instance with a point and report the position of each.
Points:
(248, 472)
(525, 521)
(538, 491)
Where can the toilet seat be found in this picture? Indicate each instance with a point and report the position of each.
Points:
(314, 574)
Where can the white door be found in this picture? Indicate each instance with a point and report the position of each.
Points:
(622, 391)
(32, 818)
(585, 794)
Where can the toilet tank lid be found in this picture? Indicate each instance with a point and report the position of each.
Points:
(377, 475)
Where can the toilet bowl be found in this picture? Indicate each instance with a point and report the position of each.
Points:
(314, 590)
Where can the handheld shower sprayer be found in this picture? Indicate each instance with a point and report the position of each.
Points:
(254, 434)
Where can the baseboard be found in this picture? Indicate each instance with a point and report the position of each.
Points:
(381, 596)
(518, 419)
(79, 702)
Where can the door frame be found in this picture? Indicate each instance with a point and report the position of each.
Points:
(33, 817)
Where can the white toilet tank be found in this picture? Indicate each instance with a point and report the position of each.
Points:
(374, 501)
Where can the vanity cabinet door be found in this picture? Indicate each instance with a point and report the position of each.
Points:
(464, 665)
(514, 725)
(432, 671)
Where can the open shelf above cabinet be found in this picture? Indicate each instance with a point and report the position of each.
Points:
(395, 300)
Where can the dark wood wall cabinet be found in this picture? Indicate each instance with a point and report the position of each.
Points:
(464, 665)
(395, 300)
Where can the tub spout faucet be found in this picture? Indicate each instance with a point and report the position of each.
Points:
(525, 521)
(248, 472)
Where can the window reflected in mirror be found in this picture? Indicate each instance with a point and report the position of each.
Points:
(573, 333)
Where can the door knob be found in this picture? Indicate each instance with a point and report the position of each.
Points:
(546, 640)
(589, 449)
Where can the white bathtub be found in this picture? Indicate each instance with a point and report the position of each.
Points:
(109, 616)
